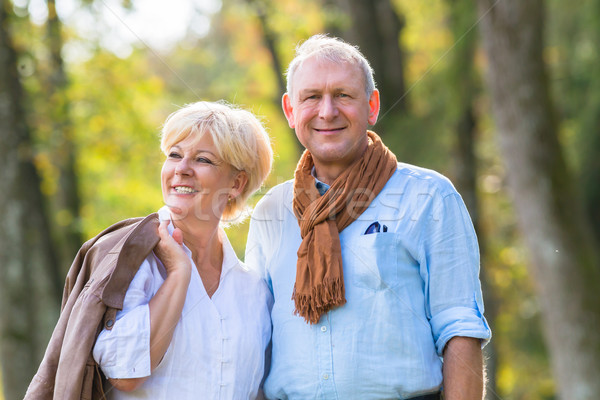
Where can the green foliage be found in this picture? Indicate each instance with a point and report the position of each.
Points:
(119, 104)
(118, 109)
(573, 59)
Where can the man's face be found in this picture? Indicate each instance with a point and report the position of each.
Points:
(330, 111)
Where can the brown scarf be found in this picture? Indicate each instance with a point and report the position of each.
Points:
(319, 274)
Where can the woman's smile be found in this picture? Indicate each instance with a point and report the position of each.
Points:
(184, 190)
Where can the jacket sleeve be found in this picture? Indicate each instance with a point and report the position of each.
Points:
(42, 384)
(67, 370)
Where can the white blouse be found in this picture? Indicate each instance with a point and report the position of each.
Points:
(218, 346)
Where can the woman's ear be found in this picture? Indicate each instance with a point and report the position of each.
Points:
(240, 180)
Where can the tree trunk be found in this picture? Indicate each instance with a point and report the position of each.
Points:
(270, 40)
(463, 85)
(590, 133)
(67, 201)
(565, 264)
(263, 12)
(376, 28)
(28, 307)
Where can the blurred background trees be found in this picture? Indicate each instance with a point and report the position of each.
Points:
(564, 255)
(85, 86)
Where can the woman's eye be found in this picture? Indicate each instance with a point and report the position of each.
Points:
(204, 160)
(174, 155)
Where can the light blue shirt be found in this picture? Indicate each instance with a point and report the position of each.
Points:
(409, 290)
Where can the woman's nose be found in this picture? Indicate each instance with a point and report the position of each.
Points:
(183, 167)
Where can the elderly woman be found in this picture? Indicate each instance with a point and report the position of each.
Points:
(196, 326)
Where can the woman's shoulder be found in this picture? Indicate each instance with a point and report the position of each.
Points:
(145, 226)
(115, 255)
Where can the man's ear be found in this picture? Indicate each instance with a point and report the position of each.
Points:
(373, 107)
(288, 110)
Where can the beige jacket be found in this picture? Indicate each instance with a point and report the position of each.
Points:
(94, 290)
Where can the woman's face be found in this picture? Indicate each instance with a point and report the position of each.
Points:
(196, 182)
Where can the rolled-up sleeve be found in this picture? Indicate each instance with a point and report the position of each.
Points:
(124, 351)
(451, 274)
(459, 321)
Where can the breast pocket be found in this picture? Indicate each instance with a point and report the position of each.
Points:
(371, 261)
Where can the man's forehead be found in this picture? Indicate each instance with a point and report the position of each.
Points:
(323, 71)
(320, 61)
(308, 89)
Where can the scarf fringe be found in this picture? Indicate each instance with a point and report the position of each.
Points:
(323, 297)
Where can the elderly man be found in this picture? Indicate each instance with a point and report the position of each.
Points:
(373, 264)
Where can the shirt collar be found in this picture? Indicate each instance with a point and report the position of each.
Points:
(322, 187)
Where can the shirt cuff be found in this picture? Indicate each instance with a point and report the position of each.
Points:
(124, 351)
(459, 321)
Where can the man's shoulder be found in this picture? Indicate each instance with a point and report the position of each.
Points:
(275, 198)
(417, 172)
(251, 279)
(412, 176)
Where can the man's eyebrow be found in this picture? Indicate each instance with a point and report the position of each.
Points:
(309, 91)
(335, 90)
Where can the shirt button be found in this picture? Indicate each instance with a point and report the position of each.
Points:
(325, 376)
(323, 328)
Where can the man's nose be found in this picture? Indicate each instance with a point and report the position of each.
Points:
(328, 109)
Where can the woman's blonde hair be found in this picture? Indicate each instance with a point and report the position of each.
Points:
(238, 135)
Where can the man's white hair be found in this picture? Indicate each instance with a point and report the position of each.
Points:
(331, 49)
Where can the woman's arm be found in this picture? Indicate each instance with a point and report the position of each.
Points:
(166, 305)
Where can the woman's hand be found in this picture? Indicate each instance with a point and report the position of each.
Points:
(170, 250)
(167, 303)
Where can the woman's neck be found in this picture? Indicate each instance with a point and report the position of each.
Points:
(204, 241)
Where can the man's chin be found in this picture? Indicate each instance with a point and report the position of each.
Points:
(336, 155)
